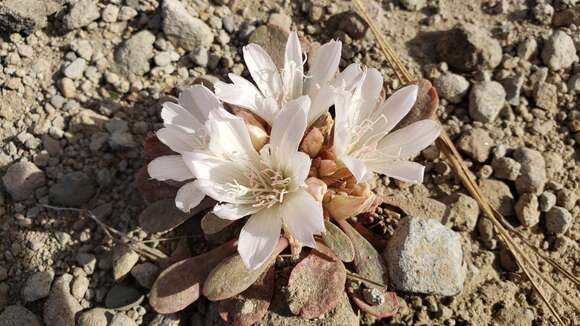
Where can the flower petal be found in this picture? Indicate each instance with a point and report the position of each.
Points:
(170, 167)
(321, 102)
(298, 167)
(323, 66)
(412, 139)
(402, 170)
(347, 78)
(293, 74)
(234, 211)
(188, 196)
(199, 101)
(229, 137)
(289, 126)
(302, 214)
(180, 141)
(259, 237)
(342, 123)
(263, 70)
(398, 105)
(356, 167)
(176, 115)
(367, 93)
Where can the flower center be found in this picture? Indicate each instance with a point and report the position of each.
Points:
(262, 188)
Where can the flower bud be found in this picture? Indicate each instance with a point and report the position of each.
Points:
(316, 187)
(312, 142)
(342, 206)
(327, 167)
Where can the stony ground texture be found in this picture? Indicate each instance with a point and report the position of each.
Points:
(80, 86)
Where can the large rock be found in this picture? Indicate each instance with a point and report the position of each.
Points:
(468, 47)
(559, 51)
(74, 189)
(134, 54)
(532, 177)
(486, 100)
(499, 195)
(81, 14)
(451, 87)
(22, 179)
(61, 307)
(476, 143)
(18, 316)
(558, 220)
(423, 256)
(183, 29)
(24, 16)
(37, 286)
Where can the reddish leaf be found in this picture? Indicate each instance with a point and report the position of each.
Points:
(163, 216)
(388, 308)
(180, 252)
(338, 242)
(316, 283)
(179, 285)
(231, 277)
(152, 190)
(155, 148)
(251, 305)
(377, 242)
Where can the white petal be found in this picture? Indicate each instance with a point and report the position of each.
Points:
(342, 124)
(289, 126)
(293, 70)
(170, 167)
(323, 66)
(348, 78)
(298, 167)
(188, 196)
(180, 141)
(206, 166)
(263, 70)
(412, 139)
(229, 137)
(356, 167)
(199, 101)
(302, 214)
(321, 103)
(175, 115)
(259, 237)
(398, 105)
(241, 93)
(402, 170)
(367, 93)
(234, 211)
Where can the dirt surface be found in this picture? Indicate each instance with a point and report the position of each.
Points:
(81, 87)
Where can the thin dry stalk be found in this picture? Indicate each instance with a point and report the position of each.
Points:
(445, 144)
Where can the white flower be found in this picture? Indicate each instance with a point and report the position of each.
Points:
(184, 131)
(275, 89)
(361, 136)
(269, 185)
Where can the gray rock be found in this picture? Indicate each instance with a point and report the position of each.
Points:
(373, 296)
(476, 143)
(532, 173)
(527, 48)
(74, 189)
(122, 297)
(127, 13)
(468, 47)
(567, 199)
(134, 54)
(81, 14)
(273, 39)
(183, 29)
(559, 51)
(452, 87)
(76, 69)
(499, 195)
(145, 274)
(558, 220)
(79, 287)
(464, 213)
(165, 320)
(486, 100)
(163, 59)
(122, 320)
(37, 286)
(515, 316)
(543, 12)
(67, 87)
(110, 13)
(95, 317)
(24, 16)
(506, 168)
(18, 316)
(574, 84)
(22, 179)
(413, 5)
(61, 307)
(527, 210)
(547, 200)
(423, 256)
(281, 20)
(200, 57)
(124, 258)
(546, 96)
(513, 87)
(228, 24)
(87, 261)
(554, 164)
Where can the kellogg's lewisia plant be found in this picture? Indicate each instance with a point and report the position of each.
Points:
(280, 162)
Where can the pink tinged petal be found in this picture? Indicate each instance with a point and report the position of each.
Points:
(368, 93)
(180, 141)
(175, 115)
(263, 70)
(356, 167)
(289, 126)
(348, 78)
(199, 101)
(189, 196)
(323, 66)
(302, 215)
(412, 139)
(402, 170)
(236, 95)
(259, 237)
(266, 108)
(293, 70)
(230, 137)
(321, 103)
(398, 105)
(170, 167)
(233, 211)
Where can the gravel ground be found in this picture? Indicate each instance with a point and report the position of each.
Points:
(80, 87)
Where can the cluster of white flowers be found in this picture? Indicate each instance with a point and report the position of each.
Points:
(241, 145)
